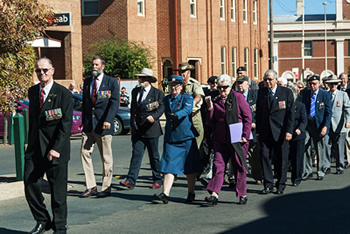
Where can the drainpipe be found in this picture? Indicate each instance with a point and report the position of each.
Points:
(176, 38)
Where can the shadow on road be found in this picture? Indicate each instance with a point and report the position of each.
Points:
(8, 231)
(324, 211)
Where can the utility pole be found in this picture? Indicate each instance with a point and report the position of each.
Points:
(271, 38)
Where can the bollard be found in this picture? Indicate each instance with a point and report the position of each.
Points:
(11, 137)
(26, 125)
(18, 128)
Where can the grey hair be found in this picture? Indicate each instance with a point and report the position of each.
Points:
(294, 91)
(273, 72)
(343, 73)
(44, 58)
(224, 77)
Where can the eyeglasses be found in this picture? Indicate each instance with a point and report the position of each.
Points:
(176, 86)
(223, 87)
(313, 83)
(268, 79)
(45, 70)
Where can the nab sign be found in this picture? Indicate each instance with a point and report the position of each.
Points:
(64, 19)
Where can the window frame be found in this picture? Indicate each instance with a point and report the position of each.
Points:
(255, 12)
(222, 10)
(142, 12)
(245, 11)
(308, 49)
(233, 10)
(223, 59)
(256, 63)
(193, 6)
(234, 61)
(83, 8)
(246, 58)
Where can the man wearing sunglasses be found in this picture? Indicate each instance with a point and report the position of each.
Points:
(48, 150)
(319, 109)
(274, 128)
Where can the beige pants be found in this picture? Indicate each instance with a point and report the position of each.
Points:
(104, 144)
(347, 146)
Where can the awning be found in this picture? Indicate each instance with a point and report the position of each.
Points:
(44, 42)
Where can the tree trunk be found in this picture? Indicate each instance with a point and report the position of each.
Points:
(6, 127)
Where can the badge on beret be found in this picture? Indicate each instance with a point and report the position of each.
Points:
(173, 79)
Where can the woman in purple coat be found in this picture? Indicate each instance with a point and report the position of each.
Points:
(227, 110)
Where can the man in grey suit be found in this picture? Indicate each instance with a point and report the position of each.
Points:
(340, 121)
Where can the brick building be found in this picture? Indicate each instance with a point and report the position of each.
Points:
(287, 42)
(62, 44)
(215, 36)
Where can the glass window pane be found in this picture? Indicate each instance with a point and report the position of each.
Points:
(91, 8)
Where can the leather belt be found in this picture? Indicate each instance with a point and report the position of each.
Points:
(196, 112)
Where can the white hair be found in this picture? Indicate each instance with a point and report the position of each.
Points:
(283, 80)
(224, 77)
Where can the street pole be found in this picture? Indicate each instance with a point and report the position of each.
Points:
(325, 37)
(303, 47)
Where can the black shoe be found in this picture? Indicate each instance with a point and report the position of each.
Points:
(40, 228)
(306, 176)
(326, 170)
(161, 197)
(339, 172)
(204, 181)
(266, 191)
(243, 200)
(212, 200)
(104, 194)
(190, 197)
(279, 192)
(320, 178)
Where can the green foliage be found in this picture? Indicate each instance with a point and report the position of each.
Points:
(123, 59)
(21, 21)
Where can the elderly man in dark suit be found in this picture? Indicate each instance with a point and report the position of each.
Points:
(100, 105)
(250, 95)
(318, 107)
(48, 150)
(274, 126)
(146, 108)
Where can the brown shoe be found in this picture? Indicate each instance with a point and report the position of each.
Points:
(89, 192)
(126, 184)
(155, 186)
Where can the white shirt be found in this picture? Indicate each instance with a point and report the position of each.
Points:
(145, 93)
(47, 89)
(98, 83)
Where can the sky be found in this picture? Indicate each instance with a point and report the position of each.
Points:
(288, 7)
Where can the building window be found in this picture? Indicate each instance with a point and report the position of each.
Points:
(141, 7)
(234, 61)
(308, 48)
(245, 11)
(222, 9)
(193, 8)
(90, 8)
(233, 10)
(256, 62)
(255, 15)
(246, 58)
(223, 60)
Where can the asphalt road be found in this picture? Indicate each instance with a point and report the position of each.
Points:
(312, 207)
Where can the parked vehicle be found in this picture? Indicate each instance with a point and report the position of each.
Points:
(121, 120)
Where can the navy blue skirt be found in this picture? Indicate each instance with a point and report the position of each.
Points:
(181, 158)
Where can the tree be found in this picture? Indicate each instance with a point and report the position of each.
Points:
(123, 58)
(20, 21)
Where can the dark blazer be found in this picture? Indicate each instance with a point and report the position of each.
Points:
(300, 121)
(46, 134)
(323, 108)
(347, 87)
(181, 129)
(140, 125)
(252, 97)
(276, 119)
(105, 108)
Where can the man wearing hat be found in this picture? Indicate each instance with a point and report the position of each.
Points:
(146, 108)
(242, 86)
(340, 121)
(319, 109)
(193, 87)
(242, 71)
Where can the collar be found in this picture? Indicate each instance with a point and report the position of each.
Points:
(148, 88)
(100, 77)
(245, 94)
(274, 90)
(47, 88)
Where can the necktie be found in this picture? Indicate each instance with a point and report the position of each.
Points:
(94, 92)
(270, 98)
(42, 97)
(312, 106)
(140, 96)
(332, 97)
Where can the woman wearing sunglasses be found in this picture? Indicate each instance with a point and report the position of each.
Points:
(229, 110)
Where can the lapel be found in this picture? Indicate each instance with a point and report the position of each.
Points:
(104, 83)
(174, 102)
(149, 96)
(50, 99)
(36, 97)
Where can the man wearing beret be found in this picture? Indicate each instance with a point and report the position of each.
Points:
(242, 71)
(193, 87)
(318, 106)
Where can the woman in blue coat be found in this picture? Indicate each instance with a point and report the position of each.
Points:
(180, 154)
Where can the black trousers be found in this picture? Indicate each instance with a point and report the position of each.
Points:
(57, 178)
(297, 150)
(281, 151)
